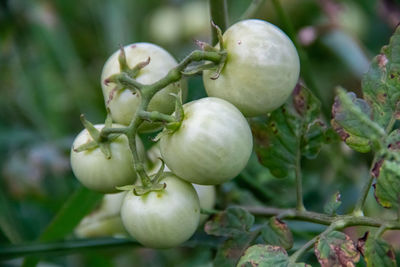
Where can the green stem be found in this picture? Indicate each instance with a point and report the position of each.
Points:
(358, 209)
(156, 116)
(299, 185)
(252, 10)
(219, 15)
(320, 218)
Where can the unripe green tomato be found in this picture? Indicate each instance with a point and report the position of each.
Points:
(206, 193)
(207, 196)
(212, 145)
(162, 219)
(105, 220)
(261, 70)
(96, 172)
(124, 103)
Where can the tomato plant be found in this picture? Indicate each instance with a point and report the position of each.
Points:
(261, 69)
(212, 145)
(99, 173)
(162, 219)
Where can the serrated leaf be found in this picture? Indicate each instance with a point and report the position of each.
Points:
(381, 84)
(267, 256)
(277, 233)
(378, 253)
(333, 204)
(352, 121)
(233, 221)
(336, 249)
(387, 173)
(292, 129)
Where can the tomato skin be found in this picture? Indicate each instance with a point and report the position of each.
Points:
(261, 70)
(124, 103)
(162, 219)
(96, 172)
(212, 145)
(207, 197)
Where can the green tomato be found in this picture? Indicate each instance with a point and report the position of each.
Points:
(162, 219)
(105, 220)
(124, 103)
(96, 172)
(212, 145)
(206, 193)
(261, 70)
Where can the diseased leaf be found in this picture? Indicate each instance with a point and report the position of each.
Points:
(234, 224)
(381, 84)
(277, 233)
(233, 221)
(292, 129)
(352, 121)
(378, 253)
(333, 204)
(336, 249)
(387, 172)
(267, 256)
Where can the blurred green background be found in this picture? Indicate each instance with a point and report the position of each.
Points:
(51, 57)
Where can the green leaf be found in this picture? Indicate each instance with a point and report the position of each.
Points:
(381, 85)
(352, 121)
(277, 233)
(336, 249)
(292, 129)
(378, 253)
(267, 256)
(333, 204)
(234, 224)
(68, 217)
(387, 172)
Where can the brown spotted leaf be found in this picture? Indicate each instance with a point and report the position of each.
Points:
(277, 233)
(292, 129)
(381, 84)
(267, 255)
(387, 172)
(336, 249)
(378, 253)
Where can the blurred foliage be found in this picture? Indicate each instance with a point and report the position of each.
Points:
(51, 56)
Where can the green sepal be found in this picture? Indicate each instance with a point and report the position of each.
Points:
(105, 149)
(156, 178)
(109, 121)
(205, 46)
(123, 64)
(197, 68)
(219, 35)
(125, 187)
(141, 190)
(86, 146)
(94, 133)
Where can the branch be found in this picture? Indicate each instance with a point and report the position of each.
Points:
(219, 15)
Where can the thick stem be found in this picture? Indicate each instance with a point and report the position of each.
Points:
(219, 15)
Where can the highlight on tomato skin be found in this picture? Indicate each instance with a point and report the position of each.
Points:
(96, 172)
(162, 219)
(261, 70)
(212, 145)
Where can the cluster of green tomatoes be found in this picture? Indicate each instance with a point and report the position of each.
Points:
(212, 143)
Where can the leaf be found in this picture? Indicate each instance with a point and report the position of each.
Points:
(381, 84)
(234, 224)
(68, 217)
(352, 121)
(336, 249)
(387, 172)
(277, 233)
(292, 129)
(266, 256)
(333, 204)
(233, 221)
(378, 253)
